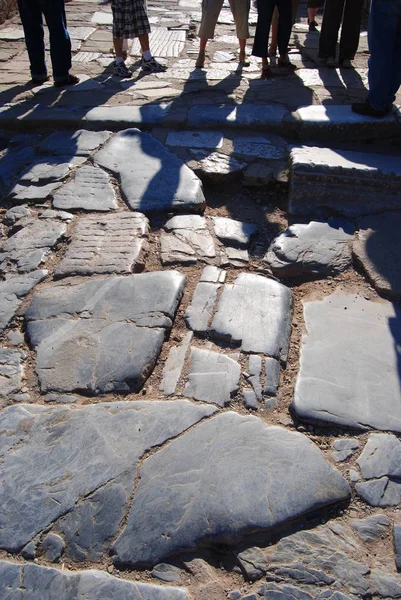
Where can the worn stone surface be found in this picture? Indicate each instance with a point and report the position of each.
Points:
(166, 572)
(187, 239)
(372, 528)
(376, 249)
(216, 166)
(174, 365)
(257, 474)
(213, 274)
(258, 146)
(253, 563)
(272, 376)
(349, 366)
(96, 445)
(162, 183)
(195, 139)
(312, 249)
(213, 377)
(344, 448)
(44, 583)
(53, 547)
(13, 162)
(234, 233)
(397, 544)
(199, 313)
(11, 371)
(12, 292)
(385, 585)
(381, 456)
(94, 318)
(14, 214)
(30, 246)
(164, 43)
(90, 189)
(110, 244)
(77, 143)
(381, 492)
(255, 371)
(242, 317)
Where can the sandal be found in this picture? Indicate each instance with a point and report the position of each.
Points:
(242, 59)
(200, 61)
(267, 73)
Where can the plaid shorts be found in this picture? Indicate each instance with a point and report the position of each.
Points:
(130, 18)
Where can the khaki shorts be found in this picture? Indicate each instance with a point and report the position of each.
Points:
(295, 6)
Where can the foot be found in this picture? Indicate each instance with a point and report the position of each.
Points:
(330, 61)
(286, 63)
(267, 73)
(40, 80)
(321, 61)
(200, 61)
(272, 57)
(366, 109)
(312, 25)
(152, 66)
(121, 70)
(69, 80)
(345, 63)
(242, 59)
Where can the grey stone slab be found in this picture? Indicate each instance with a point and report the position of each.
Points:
(77, 143)
(253, 563)
(250, 399)
(270, 591)
(187, 240)
(326, 181)
(15, 337)
(53, 547)
(128, 116)
(195, 139)
(163, 182)
(397, 544)
(376, 248)
(381, 456)
(12, 292)
(35, 582)
(46, 170)
(236, 233)
(213, 274)
(349, 372)
(16, 213)
(174, 365)
(218, 166)
(12, 162)
(258, 146)
(86, 57)
(236, 257)
(11, 371)
(372, 528)
(257, 474)
(312, 249)
(344, 448)
(80, 33)
(102, 18)
(29, 247)
(249, 115)
(49, 213)
(213, 377)
(91, 320)
(109, 244)
(96, 445)
(385, 585)
(33, 193)
(90, 189)
(164, 43)
(380, 492)
(199, 313)
(272, 376)
(255, 372)
(166, 572)
(256, 313)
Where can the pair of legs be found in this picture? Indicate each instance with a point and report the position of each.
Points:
(349, 13)
(265, 15)
(119, 50)
(274, 29)
(312, 8)
(210, 13)
(31, 13)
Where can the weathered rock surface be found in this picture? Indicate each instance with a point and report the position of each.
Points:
(213, 377)
(344, 448)
(187, 239)
(54, 457)
(11, 371)
(256, 313)
(44, 583)
(377, 249)
(91, 320)
(381, 492)
(199, 314)
(313, 249)
(174, 365)
(162, 182)
(90, 189)
(397, 544)
(53, 547)
(253, 563)
(257, 475)
(12, 292)
(349, 365)
(109, 244)
(381, 456)
(76, 143)
(372, 528)
(233, 232)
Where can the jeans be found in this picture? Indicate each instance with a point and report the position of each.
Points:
(385, 52)
(350, 13)
(265, 15)
(31, 13)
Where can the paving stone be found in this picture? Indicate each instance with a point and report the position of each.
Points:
(77, 143)
(44, 583)
(86, 57)
(342, 182)
(90, 189)
(375, 249)
(96, 445)
(372, 528)
(272, 376)
(236, 233)
(12, 292)
(12, 33)
(16, 213)
(164, 43)
(381, 456)
(253, 563)
(199, 313)
(312, 249)
(242, 316)
(127, 116)
(234, 256)
(102, 18)
(255, 371)
(213, 274)
(53, 547)
(381, 492)
(162, 183)
(57, 214)
(47, 170)
(349, 367)
(11, 371)
(259, 146)
(80, 33)
(75, 329)
(216, 166)
(15, 338)
(110, 244)
(249, 115)
(232, 455)
(166, 572)
(195, 139)
(30, 246)
(250, 399)
(385, 586)
(33, 193)
(174, 365)
(343, 449)
(28, 551)
(213, 377)
(397, 544)
(187, 241)
(12, 162)
(257, 174)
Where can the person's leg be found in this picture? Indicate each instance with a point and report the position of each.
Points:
(60, 43)
(265, 14)
(332, 16)
(351, 29)
(273, 37)
(395, 80)
(32, 22)
(284, 31)
(240, 10)
(210, 13)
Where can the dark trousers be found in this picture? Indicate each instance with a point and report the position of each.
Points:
(350, 13)
(31, 13)
(265, 14)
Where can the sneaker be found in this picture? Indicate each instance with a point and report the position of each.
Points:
(152, 66)
(312, 25)
(122, 71)
(266, 73)
(286, 63)
(346, 63)
(331, 61)
(365, 108)
(70, 80)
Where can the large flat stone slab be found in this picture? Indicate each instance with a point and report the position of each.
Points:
(109, 244)
(186, 240)
(255, 312)
(377, 248)
(326, 181)
(152, 178)
(349, 367)
(12, 292)
(249, 115)
(45, 583)
(77, 143)
(226, 478)
(90, 189)
(102, 335)
(164, 43)
(55, 457)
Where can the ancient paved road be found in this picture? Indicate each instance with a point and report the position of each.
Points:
(199, 364)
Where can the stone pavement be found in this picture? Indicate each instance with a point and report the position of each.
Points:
(199, 308)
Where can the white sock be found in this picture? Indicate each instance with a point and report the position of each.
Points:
(119, 60)
(147, 55)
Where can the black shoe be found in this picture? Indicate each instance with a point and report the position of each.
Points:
(69, 80)
(364, 108)
(312, 25)
(39, 80)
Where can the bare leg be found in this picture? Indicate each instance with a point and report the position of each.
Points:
(273, 40)
(144, 42)
(118, 47)
(242, 53)
(200, 61)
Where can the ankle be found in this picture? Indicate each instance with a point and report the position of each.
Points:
(147, 55)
